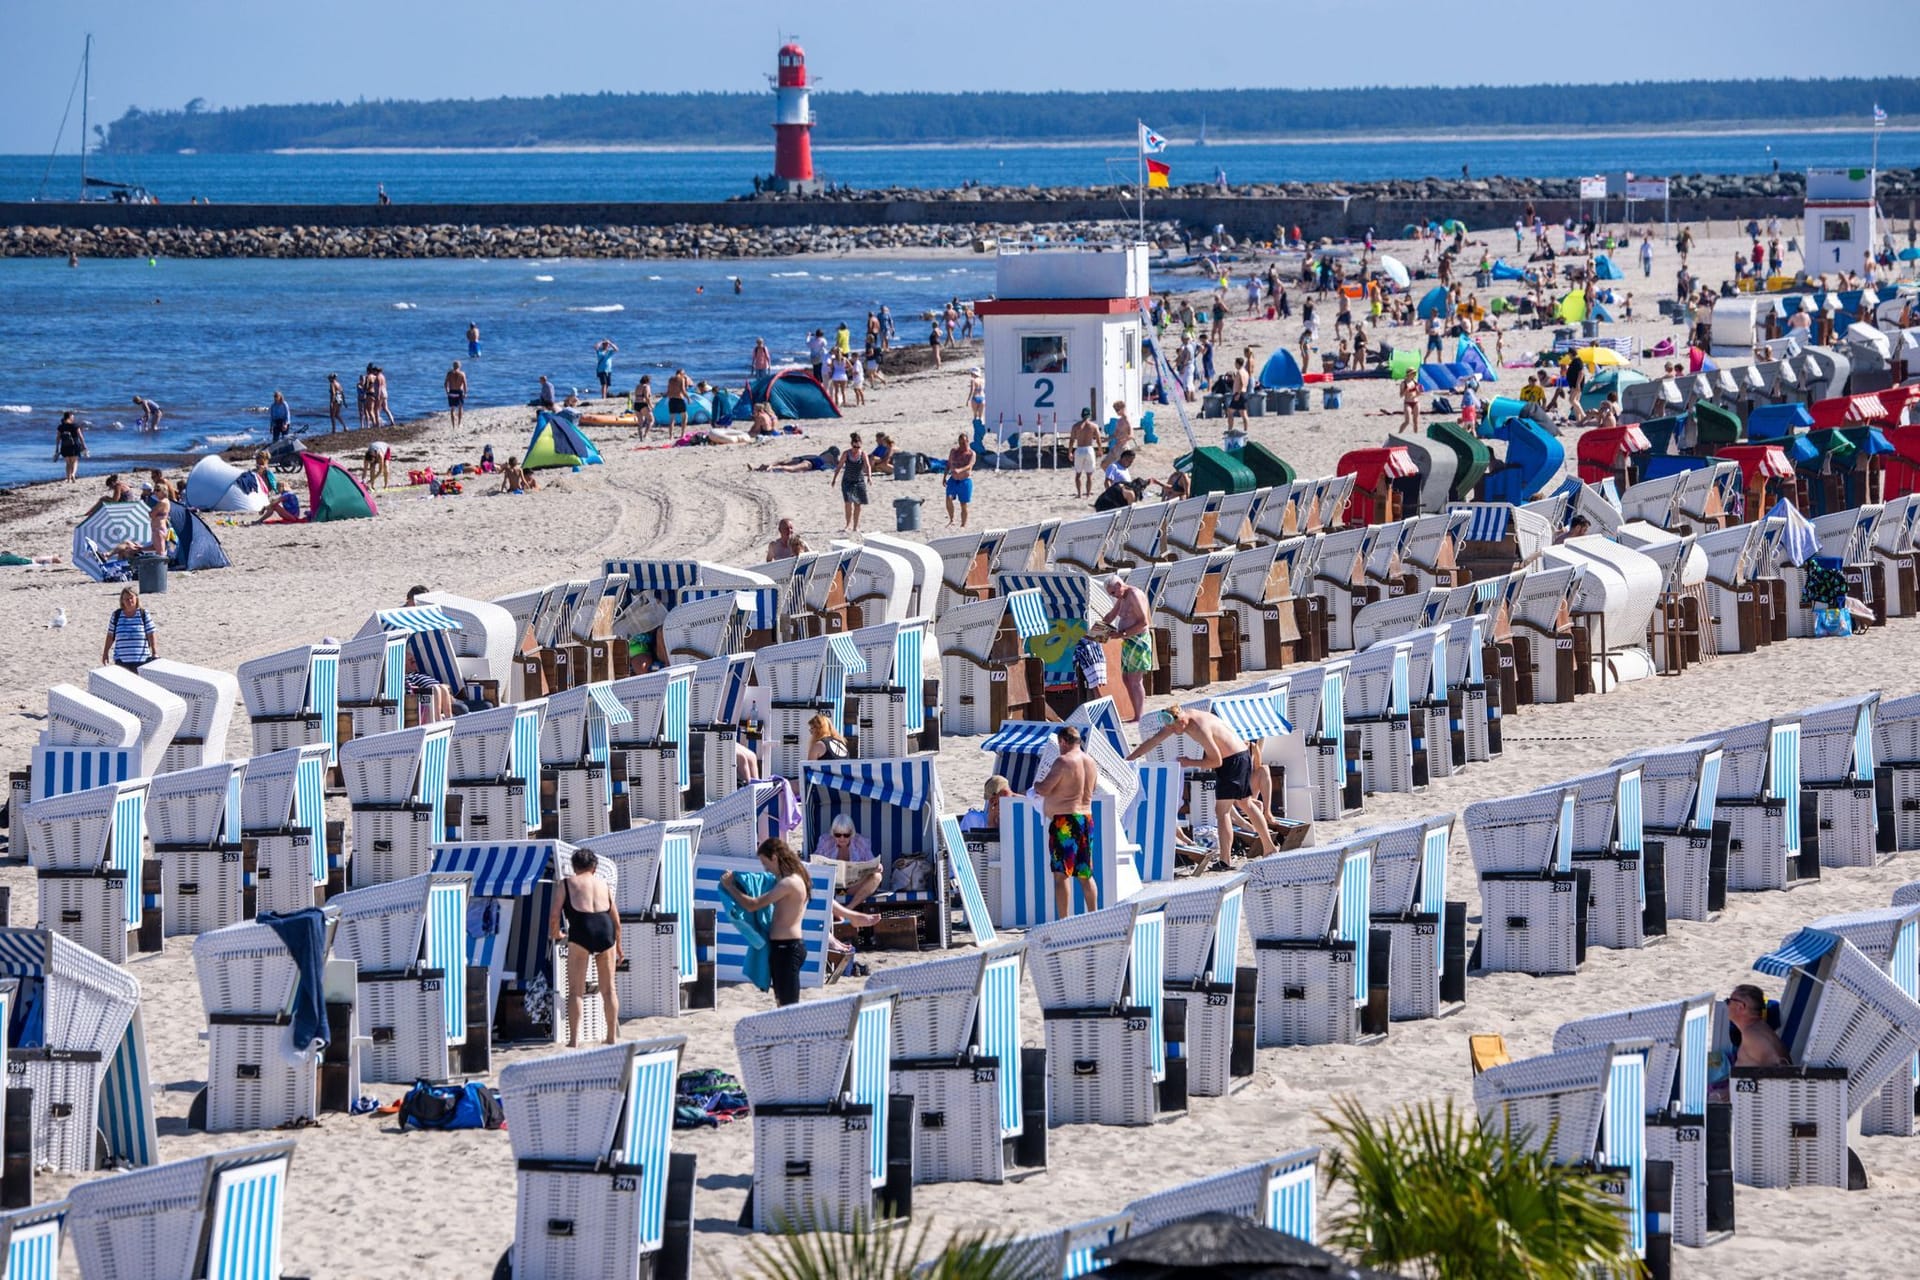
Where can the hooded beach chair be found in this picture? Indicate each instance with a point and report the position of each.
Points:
(1426, 934)
(983, 661)
(1019, 884)
(1583, 1107)
(716, 705)
(886, 704)
(1430, 549)
(1849, 1029)
(1309, 913)
(1278, 1194)
(731, 829)
(1024, 548)
(1340, 579)
(1081, 544)
(878, 585)
(799, 680)
(1760, 797)
(1677, 639)
(575, 755)
(1679, 789)
(397, 787)
(1542, 627)
(75, 1038)
(963, 568)
(30, 1241)
(1896, 742)
(1738, 619)
(1893, 556)
(1056, 1253)
(979, 1099)
(831, 1149)
(1618, 592)
(1533, 900)
(283, 827)
(210, 696)
(1186, 606)
(1379, 706)
(1838, 777)
(1890, 938)
(1394, 617)
(214, 1216)
(254, 991)
(293, 698)
(1256, 595)
(895, 806)
(1316, 701)
(1474, 699)
(373, 682)
(481, 648)
(706, 626)
(159, 711)
(193, 816)
(1202, 940)
(493, 770)
(88, 849)
(1682, 1127)
(1099, 978)
(1072, 602)
(408, 941)
(653, 889)
(1190, 524)
(87, 743)
(1140, 535)
(511, 961)
(1626, 884)
(599, 1191)
(652, 750)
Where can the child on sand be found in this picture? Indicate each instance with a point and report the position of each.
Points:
(515, 479)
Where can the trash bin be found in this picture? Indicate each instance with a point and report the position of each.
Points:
(903, 466)
(150, 572)
(1589, 328)
(1282, 404)
(1330, 398)
(906, 514)
(1301, 400)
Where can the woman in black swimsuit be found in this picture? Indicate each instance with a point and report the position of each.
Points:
(592, 933)
(70, 443)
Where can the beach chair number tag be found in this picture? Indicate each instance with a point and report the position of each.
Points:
(1688, 1133)
(1613, 1187)
(1218, 1000)
(1423, 931)
(856, 1124)
(1563, 886)
(664, 928)
(1746, 1086)
(1136, 1024)
(227, 858)
(1341, 957)
(626, 1182)
(429, 984)
(997, 676)
(1273, 615)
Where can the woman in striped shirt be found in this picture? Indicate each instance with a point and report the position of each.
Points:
(129, 634)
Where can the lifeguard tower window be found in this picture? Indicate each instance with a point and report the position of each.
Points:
(1836, 229)
(1043, 353)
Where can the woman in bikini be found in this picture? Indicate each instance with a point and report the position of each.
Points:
(585, 903)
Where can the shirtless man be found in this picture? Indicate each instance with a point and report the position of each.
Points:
(786, 952)
(1227, 754)
(788, 545)
(149, 413)
(1066, 797)
(456, 393)
(1132, 622)
(1760, 1044)
(677, 399)
(1237, 402)
(1122, 433)
(1085, 439)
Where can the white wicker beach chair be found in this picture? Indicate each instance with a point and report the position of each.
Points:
(1427, 958)
(1626, 897)
(1760, 799)
(1896, 743)
(397, 787)
(1837, 768)
(1202, 928)
(1475, 698)
(89, 849)
(193, 816)
(159, 711)
(1889, 937)
(1098, 977)
(1309, 913)
(716, 704)
(373, 682)
(1379, 707)
(575, 750)
(210, 697)
(983, 659)
(409, 940)
(1058, 1253)
(293, 698)
(1541, 611)
(87, 743)
(1278, 1194)
(1081, 544)
(1340, 577)
(1533, 901)
(1679, 788)
(1316, 707)
(493, 768)
(283, 818)
(1256, 590)
(655, 741)
(213, 1216)
(30, 1241)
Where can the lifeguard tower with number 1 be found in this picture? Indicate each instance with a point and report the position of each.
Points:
(1840, 216)
(1062, 334)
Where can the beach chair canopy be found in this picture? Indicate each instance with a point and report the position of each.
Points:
(557, 442)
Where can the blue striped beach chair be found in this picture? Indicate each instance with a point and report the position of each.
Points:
(654, 746)
(1062, 1253)
(73, 1022)
(716, 707)
(798, 680)
(1426, 934)
(511, 895)
(1202, 939)
(483, 645)
(1019, 883)
(408, 939)
(575, 754)
(1100, 981)
(397, 787)
(653, 889)
(1889, 937)
(30, 1241)
(217, 1215)
(293, 698)
(1379, 705)
(193, 816)
(210, 696)
(1072, 601)
(896, 806)
(1279, 1194)
(1679, 789)
(978, 1097)
(830, 1151)
(89, 850)
(1677, 1115)
(1896, 753)
(1533, 900)
(493, 767)
(257, 1078)
(1316, 698)
(1309, 913)
(283, 816)
(1583, 1107)
(600, 1192)
(1761, 800)
(887, 703)
(87, 743)
(159, 711)
(1626, 897)
(373, 682)
(1837, 767)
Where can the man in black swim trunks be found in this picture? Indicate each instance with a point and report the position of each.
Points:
(1227, 754)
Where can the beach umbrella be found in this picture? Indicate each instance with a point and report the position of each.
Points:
(1600, 357)
(1396, 270)
(105, 528)
(1223, 1244)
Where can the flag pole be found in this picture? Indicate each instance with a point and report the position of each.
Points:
(1140, 154)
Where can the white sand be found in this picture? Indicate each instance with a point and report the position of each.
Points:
(369, 1202)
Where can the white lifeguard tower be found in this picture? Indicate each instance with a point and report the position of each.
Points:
(1063, 334)
(1840, 230)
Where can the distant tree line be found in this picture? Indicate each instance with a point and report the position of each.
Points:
(733, 118)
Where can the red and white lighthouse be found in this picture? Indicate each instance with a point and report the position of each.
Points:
(792, 122)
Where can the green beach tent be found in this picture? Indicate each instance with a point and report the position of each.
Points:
(334, 493)
(557, 442)
(1401, 364)
(1573, 307)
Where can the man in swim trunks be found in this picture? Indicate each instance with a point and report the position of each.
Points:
(1226, 753)
(456, 392)
(473, 341)
(1132, 622)
(960, 462)
(1085, 440)
(677, 399)
(1066, 797)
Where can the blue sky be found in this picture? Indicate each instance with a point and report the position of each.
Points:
(161, 53)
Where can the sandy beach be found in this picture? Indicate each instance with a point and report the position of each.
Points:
(366, 1201)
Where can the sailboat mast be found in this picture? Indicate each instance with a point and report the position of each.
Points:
(86, 89)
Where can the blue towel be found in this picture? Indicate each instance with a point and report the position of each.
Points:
(304, 933)
(754, 926)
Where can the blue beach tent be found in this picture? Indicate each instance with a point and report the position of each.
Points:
(1504, 270)
(557, 442)
(1280, 371)
(1434, 304)
(1603, 269)
(793, 393)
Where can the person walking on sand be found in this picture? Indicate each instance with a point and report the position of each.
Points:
(1066, 798)
(129, 634)
(853, 469)
(336, 404)
(933, 341)
(677, 398)
(1085, 439)
(544, 399)
(473, 341)
(586, 907)
(279, 417)
(1410, 403)
(456, 393)
(643, 404)
(788, 897)
(960, 462)
(149, 413)
(603, 354)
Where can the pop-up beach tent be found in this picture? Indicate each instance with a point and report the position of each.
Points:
(794, 393)
(334, 493)
(1603, 269)
(1434, 304)
(557, 442)
(194, 543)
(1504, 270)
(1280, 370)
(215, 484)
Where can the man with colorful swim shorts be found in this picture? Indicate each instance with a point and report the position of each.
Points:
(1131, 621)
(1226, 753)
(1066, 796)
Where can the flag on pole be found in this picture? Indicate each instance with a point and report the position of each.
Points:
(1151, 143)
(1159, 173)
(1879, 116)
